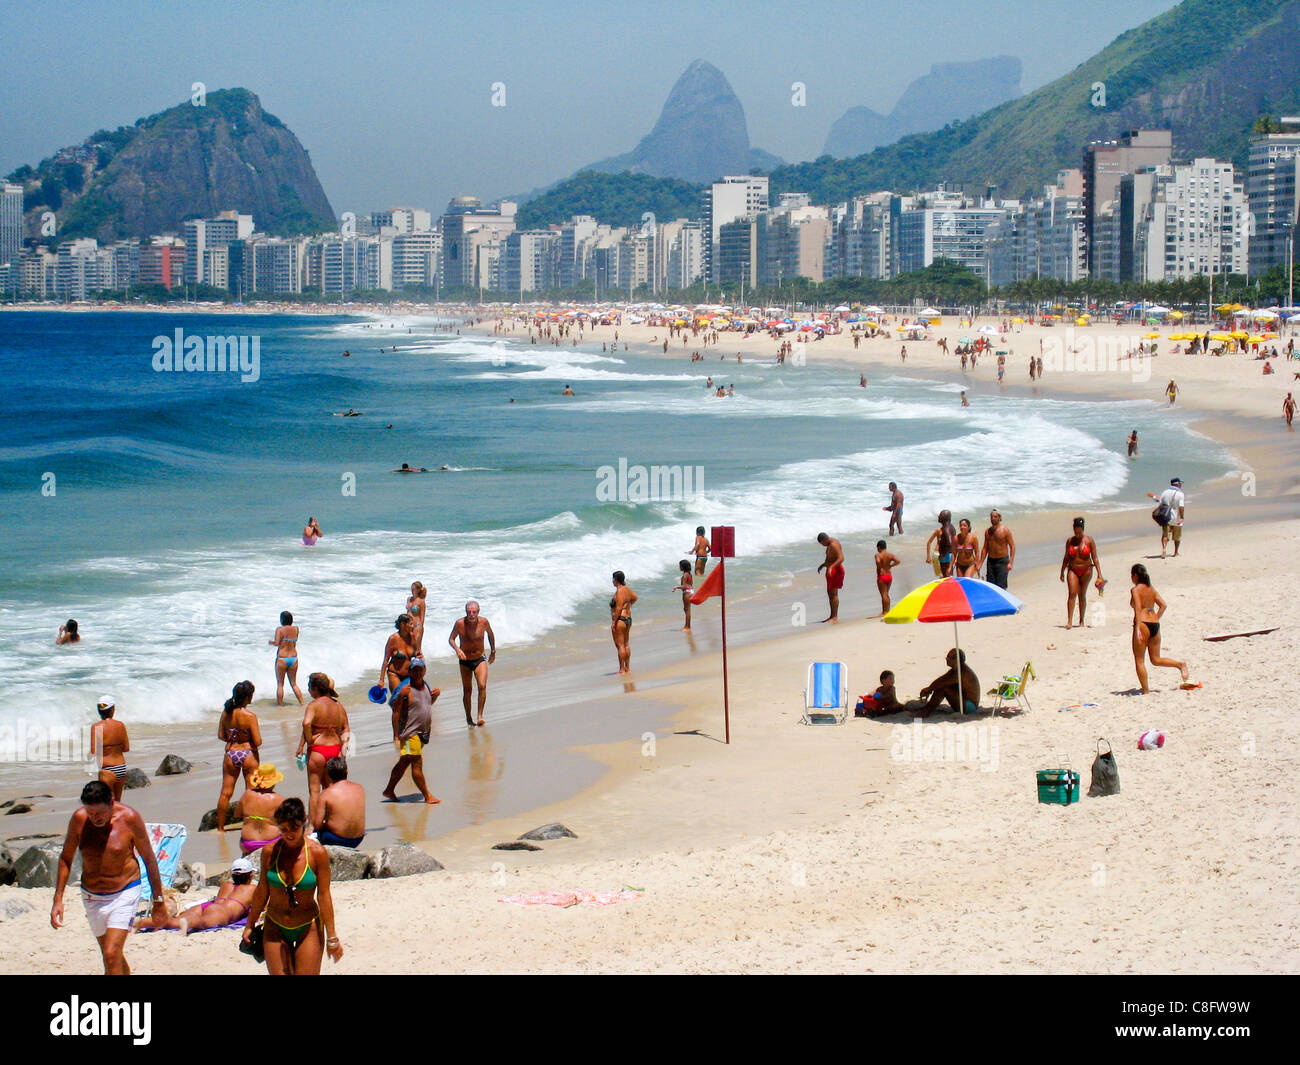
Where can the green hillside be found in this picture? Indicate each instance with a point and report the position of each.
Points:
(617, 199)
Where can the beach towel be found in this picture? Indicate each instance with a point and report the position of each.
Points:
(565, 899)
(167, 842)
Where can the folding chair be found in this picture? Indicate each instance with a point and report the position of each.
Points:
(1012, 689)
(826, 699)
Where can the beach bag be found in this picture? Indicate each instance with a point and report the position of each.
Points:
(1163, 514)
(1105, 773)
(255, 946)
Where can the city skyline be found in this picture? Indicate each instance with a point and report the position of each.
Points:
(393, 124)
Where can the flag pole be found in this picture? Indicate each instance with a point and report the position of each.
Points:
(726, 702)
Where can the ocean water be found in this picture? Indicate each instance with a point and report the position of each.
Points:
(163, 510)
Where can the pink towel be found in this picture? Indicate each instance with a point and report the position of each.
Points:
(571, 898)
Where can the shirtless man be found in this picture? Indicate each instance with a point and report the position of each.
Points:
(340, 817)
(109, 836)
(700, 550)
(895, 509)
(943, 538)
(834, 567)
(108, 745)
(999, 551)
(469, 632)
(885, 562)
(945, 688)
(620, 624)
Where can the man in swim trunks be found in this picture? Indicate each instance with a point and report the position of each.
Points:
(469, 632)
(943, 538)
(885, 562)
(110, 836)
(109, 744)
(412, 724)
(700, 550)
(999, 551)
(340, 819)
(895, 509)
(834, 567)
(944, 688)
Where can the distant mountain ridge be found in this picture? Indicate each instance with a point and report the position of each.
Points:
(949, 92)
(185, 162)
(701, 134)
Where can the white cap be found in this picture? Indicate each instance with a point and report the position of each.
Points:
(241, 865)
(105, 701)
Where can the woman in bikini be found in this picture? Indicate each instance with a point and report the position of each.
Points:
(311, 532)
(324, 730)
(398, 652)
(229, 906)
(620, 625)
(967, 548)
(256, 808)
(242, 735)
(415, 606)
(685, 585)
(1148, 609)
(285, 641)
(1077, 564)
(294, 891)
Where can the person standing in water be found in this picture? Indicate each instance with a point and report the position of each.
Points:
(620, 626)
(895, 508)
(468, 633)
(1133, 444)
(685, 585)
(1148, 609)
(68, 633)
(109, 744)
(285, 641)
(700, 550)
(311, 532)
(416, 607)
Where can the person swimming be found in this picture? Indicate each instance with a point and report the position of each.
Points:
(406, 468)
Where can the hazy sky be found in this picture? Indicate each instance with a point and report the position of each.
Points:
(394, 100)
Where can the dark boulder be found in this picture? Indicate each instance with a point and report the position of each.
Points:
(172, 765)
(38, 866)
(516, 845)
(554, 830)
(136, 778)
(402, 860)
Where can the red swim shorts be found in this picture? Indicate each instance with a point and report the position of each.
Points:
(835, 577)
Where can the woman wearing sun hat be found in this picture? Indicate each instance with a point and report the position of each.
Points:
(257, 808)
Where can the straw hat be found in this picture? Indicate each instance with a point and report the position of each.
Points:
(266, 776)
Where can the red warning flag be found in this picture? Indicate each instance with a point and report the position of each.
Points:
(714, 584)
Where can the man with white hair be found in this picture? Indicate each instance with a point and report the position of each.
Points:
(468, 633)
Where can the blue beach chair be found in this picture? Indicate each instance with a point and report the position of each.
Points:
(826, 698)
(168, 841)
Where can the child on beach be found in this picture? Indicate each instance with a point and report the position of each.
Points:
(884, 700)
(685, 585)
(885, 562)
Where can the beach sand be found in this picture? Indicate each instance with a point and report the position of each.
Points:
(882, 845)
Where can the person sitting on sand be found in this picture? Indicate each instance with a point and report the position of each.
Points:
(294, 892)
(412, 724)
(256, 808)
(884, 700)
(229, 905)
(1148, 609)
(68, 633)
(238, 728)
(340, 817)
(944, 688)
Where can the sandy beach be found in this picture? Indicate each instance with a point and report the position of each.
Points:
(886, 845)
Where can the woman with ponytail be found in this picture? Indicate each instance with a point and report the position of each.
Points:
(1148, 609)
(239, 730)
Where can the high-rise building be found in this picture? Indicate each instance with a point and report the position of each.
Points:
(731, 198)
(11, 231)
(274, 266)
(77, 273)
(531, 261)
(1043, 237)
(162, 262)
(417, 260)
(1189, 220)
(401, 220)
(861, 237)
(946, 225)
(571, 258)
(471, 235)
(203, 235)
(1271, 183)
(792, 241)
(1105, 162)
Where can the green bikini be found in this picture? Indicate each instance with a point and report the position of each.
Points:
(292, 936)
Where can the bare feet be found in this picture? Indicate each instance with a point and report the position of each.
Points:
(429, 800)
(481, 722)
(390, 796)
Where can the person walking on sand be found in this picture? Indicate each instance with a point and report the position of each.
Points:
(412, 725)
(885, 563)
(1171, 390)
(942, 540)
(285, 641)
(1288, 409)
(1173, 499)
(1077, 564)
(834, 567)
(109, 744)
(294, 892)
(998, 555)
(325, 733)
(237, 727)
(469, 632)
(895, 508)
(620, 627)
(686, 585)
(1148, 609)
(113, 842)
(966, 550)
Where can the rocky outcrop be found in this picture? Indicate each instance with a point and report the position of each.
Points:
(38, 866)
(136, 778)
(554, 830)
(349, 864)
(402, 859)
(172, 765)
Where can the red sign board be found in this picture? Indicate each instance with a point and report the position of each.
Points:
(723, 544)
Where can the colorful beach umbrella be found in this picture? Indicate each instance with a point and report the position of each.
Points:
(954, 599)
